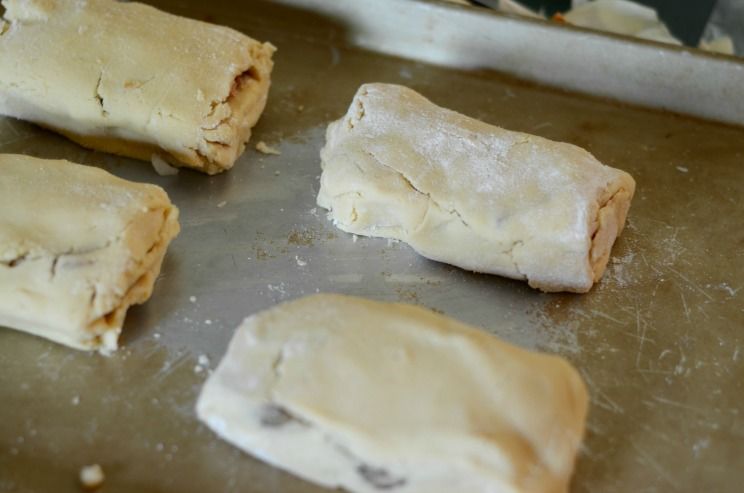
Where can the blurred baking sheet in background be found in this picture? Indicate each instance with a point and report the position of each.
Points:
(659, 340)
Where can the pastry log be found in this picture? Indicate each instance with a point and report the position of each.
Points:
(78, 247)
(371, 397)
(471, 194)
(131, 80)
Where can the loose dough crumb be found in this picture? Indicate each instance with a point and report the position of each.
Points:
(264, 148)
(161, 167)
(91, 477)
(192, 299)
(222, 204)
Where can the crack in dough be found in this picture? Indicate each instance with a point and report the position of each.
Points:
(99, 95)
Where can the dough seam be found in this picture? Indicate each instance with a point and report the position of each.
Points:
(428, 195)
(598, 260)
(434, 202)
(137, 292)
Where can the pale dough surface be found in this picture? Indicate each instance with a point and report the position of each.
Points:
(371, 397)
(471, 194)
(129, 79)
(78, 246)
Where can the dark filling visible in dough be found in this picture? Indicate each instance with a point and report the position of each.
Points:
(380, 478)
(14, 261)
(273, 416)
(241, 80)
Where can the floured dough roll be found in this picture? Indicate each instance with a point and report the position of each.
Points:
(132, 80)
(78, 247)
(371, 397)
(471, 194)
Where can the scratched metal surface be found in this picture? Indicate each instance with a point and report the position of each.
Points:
(659, 340)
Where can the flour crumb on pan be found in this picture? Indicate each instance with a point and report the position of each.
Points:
(91, 477)
(264, 148)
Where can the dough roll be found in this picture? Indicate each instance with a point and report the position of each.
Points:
(471, 194)
(371, 397)
(78, 247)
(129, 79)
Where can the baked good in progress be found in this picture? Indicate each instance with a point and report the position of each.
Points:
(78, 247)
(371, 397)
(125, 78)
(471, 194)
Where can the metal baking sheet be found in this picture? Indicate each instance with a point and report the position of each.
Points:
(659, 340)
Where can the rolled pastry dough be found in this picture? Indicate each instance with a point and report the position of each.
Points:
(371, 397)
(132, 80)
(471, 194)
(78, 246)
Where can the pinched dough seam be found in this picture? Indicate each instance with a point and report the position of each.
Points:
(362, 468)
(602, 206)
(361, 113)
(228, 120)
(433, 202)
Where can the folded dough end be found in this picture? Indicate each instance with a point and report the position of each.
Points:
(610, 223)
(224, 141)
(70, 274)
(105, 329)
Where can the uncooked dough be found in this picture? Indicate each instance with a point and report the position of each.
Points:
(471, 194)
(128, 79)
(78, 246)
(371, 397)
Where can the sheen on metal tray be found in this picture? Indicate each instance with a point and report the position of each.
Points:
(658, 340)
